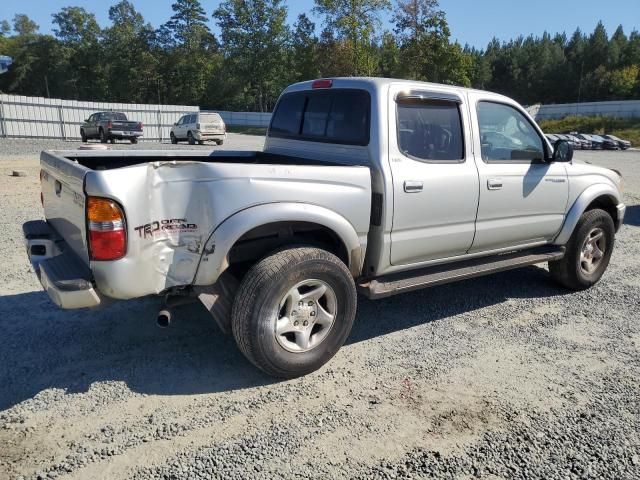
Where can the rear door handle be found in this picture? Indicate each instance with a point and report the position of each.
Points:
(494, 184)
(412, 186)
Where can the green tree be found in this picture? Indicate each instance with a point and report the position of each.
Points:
(254, 37)
(5, 28)
(304, 49)
(189, 53)
(389, 56)
(354, 22)
(131, 68)
(81, 53)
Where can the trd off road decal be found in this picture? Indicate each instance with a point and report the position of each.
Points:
(172, 226)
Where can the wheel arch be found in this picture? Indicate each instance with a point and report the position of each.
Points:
(251, 233)
(601, 196)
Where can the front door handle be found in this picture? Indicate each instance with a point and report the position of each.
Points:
(412, 186)
(494, 184)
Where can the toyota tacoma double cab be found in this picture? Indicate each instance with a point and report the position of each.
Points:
(374, 186)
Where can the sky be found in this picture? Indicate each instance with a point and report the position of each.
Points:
(474, 22)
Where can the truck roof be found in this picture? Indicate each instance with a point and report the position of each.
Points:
(377, 83)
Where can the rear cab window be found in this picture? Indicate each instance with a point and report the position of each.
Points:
(340, 116)
(430, 130)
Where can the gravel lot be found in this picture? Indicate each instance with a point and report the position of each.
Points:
(505, 376)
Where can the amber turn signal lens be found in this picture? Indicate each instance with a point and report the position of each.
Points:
(103, 210)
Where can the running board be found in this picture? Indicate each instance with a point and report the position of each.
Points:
(411, 280)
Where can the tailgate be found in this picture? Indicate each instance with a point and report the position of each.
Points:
(64, 200)
(126, 126)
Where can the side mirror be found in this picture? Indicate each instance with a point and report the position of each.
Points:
(562, 151)
(86, 120)
(175, 124)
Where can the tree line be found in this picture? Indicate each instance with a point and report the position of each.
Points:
(257, 53)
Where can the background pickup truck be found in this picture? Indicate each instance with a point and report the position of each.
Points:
(371, 185)
(109, 127)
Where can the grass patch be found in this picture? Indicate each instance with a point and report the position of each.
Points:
(625, 128)
(247, 130)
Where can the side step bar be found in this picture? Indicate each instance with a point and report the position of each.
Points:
(394, 284)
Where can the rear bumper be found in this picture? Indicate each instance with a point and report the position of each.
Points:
(65, 278)
(125, 133)
(210, 136)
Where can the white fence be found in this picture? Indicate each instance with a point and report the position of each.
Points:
(37, 117)
(621, 109)
(246, 119)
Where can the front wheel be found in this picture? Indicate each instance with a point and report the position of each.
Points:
(83, 136)
(293, 311)
(174, 140)
(588, 252)
(134, 140)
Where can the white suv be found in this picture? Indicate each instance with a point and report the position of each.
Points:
(198, 127)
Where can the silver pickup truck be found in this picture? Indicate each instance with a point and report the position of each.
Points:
(364, 185)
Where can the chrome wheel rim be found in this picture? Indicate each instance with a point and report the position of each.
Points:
(593, 250)
(305, 316)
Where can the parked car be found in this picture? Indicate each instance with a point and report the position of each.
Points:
(375, 186)
(199, 127)
(607, 143)
(622, 144)
(575, 144)
(579, 142)
(587, 144)
(596, 144)
(109, 127)
(552, 138)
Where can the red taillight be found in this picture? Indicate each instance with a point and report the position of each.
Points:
(140, 125)
(324, 83)
(109, 245)
(107, 233)
(109, 124)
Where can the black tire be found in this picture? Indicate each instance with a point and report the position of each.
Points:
(192, 141)
(83, 136)
(103, 136)
(200, 142)
(174, 140)
(257, 306)
(134, 140)
(112, 140)
(220, 142)
(569, 271)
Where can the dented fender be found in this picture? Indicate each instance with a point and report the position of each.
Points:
(215, 257)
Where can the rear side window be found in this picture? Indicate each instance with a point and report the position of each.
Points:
(331, 116)
(430, 130)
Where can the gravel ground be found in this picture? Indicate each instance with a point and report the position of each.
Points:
(505, 376)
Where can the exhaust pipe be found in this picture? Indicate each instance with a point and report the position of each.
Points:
(164, 318)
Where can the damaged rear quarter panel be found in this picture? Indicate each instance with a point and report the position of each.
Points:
(172, 208)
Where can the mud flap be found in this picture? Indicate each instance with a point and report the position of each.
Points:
(218, 299)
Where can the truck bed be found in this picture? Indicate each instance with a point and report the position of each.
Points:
(121, 159)
(193, 192)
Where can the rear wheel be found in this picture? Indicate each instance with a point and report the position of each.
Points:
(103, 136)
(192, 141)
(220, 142)
(200, 142)
(293, 311)
(174, 140)
(134, 140)
(588, 252)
